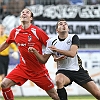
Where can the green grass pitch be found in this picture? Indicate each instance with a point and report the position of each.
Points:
(48, 98)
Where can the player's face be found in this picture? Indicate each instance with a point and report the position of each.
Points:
(25, 16)
(62, 27)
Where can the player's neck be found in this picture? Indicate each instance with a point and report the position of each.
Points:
(63, 36)
(26, 25)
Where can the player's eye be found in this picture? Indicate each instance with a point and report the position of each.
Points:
(65, 24)
(27, 12)
(22, 12)
(60, 24)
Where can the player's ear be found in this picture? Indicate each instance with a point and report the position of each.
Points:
(31, 18)
(57, 30)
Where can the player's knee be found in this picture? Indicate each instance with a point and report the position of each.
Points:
(3, 85)
(59, 83)
(97, 95)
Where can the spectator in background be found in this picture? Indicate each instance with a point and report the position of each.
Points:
(15, 6)
(43, 2)
(2, 9)
(28, 2)
(98, 1)
(51, 2)
(32, 2)
(93, 2)
(62, 2)
(4, 55)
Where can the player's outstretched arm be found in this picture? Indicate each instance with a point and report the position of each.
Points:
(69, 53)
(3, 46)
(42, 58)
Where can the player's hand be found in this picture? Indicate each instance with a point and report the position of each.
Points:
(59, 58)
(53, 48)
(31, 49)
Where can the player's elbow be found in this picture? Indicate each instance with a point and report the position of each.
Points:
(72, 55)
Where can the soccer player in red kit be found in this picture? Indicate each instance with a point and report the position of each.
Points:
(27, 35)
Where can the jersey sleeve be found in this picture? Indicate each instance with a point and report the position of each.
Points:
(43, 37)
(75, 40)
(48, 50)
(10, 39)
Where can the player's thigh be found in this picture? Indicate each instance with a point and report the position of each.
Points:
(18, 76)
(43, 81)
(91, 87)
(61, 78)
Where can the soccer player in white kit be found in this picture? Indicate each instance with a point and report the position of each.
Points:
(64, 49)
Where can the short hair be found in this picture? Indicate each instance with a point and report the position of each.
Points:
(62, 19)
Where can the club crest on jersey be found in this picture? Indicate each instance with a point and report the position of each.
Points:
(29, 38)
(69, 41)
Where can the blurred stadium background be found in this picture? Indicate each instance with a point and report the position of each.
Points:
(83, 17)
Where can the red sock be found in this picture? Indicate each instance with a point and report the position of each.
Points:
(7, 93)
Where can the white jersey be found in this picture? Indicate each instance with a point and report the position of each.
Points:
(65, 44)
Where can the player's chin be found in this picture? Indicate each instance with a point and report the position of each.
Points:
(63, 31)
(23, 21)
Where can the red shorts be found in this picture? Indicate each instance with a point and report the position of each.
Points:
(42, 79)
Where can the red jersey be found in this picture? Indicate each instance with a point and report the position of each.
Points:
(25, 38)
